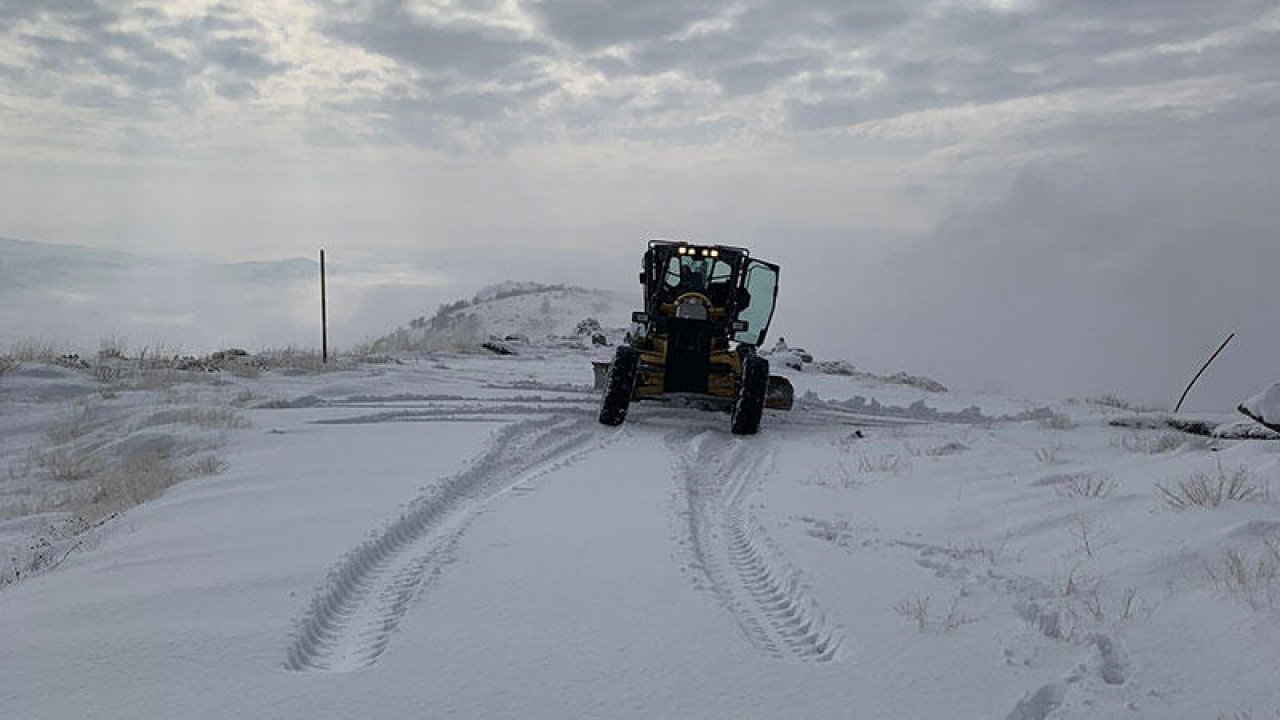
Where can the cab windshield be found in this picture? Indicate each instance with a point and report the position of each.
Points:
(688, 273)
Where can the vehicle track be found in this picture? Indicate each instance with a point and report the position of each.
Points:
(358, 608)
(731, 548)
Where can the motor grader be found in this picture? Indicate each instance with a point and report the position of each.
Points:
(707, 308)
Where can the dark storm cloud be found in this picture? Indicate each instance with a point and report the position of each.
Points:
(74, 11)
(593, 24)
(243, 57)
(973, 55)
(77, 45)
(752, 77)
(818, 66)
(389, 29)
(432, 114)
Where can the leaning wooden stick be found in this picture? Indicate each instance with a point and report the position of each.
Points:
(1204, 367)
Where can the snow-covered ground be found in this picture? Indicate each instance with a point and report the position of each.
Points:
(456, 536)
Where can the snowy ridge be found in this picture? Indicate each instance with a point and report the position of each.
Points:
(353, 616)
(747, 573)
(530, 311)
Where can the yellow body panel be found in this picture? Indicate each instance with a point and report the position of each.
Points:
(726, 369)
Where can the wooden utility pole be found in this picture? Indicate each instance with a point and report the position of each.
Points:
(324, 316)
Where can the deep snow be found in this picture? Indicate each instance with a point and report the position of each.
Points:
(456, 536)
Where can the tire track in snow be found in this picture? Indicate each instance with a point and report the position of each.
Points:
(745, 569)
(357, 610)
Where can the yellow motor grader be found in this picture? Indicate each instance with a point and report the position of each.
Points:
(706, 310)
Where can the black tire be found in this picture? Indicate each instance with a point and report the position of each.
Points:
(620, 386)
(749, 407)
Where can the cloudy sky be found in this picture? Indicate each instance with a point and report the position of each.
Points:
(1061, 196)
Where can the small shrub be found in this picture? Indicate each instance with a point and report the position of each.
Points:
(1090, 536)
(1057, 421)
(8, 363)
(135, 481)
(1253, 579)
(951, 448)
(34, 351)
(1114, 401)
(69, 464)
(917, 611)
(111, 348)
(1085, 485)
(75, 425)
(206, 465)
(1048, 456)
(1204, 491)
(244, 398)
(291, 358)
(214, 418)
(887, 463)
(244, 370)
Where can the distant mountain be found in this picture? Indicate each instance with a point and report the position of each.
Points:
(532, 310)
(75, 295)
(270, 271)
(33, 265)
(25, 264)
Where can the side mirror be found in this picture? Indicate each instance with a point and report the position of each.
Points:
(640, 318)
(642, 279)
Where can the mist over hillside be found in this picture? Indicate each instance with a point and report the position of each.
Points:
(72, 297)
(1028, 330)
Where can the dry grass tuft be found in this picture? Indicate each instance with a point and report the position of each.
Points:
(1114, 401)
(111, 348)
(1049, 456)
(214, 418)
(139, 479)
(74, 425)
(298, 360)
(1085, 485)
(1057, 421)
(34, 350)
(69, 463)
(1252, 578)
(917, 611)
(892, 463)
(1204, 491)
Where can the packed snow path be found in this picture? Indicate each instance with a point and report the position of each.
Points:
(352, 618)
(731, 547)
(460, 538)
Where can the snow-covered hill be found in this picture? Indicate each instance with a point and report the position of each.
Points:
(519, 310)
(453, 534)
